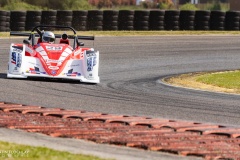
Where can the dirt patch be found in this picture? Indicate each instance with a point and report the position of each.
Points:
(190, 81)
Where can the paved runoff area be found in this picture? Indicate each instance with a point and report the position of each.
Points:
(179, 138)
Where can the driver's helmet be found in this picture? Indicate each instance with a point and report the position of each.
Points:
(48, 37)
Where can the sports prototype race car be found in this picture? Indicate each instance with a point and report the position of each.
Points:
(59, 60)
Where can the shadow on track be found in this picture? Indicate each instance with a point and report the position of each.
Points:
(41, 79)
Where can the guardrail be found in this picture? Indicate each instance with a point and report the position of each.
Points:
(83, 20)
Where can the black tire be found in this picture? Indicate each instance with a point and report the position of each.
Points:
(96, 28)
(7, 24)
(95, 23)
(34, 13)
(64, 18)
(18, 24)
(18, 13)
(3, 13)
(141, 13)
(127, 28)
(142, 28)
(110, 18)
(110, 23)
(141, 23)
(48, 19)
(81, 28)
(65, 24)
(187, 13)
(33, 18)
(157, 18)
(64, 13)
(143, 18)
(77, 13)
(3, 18)
(2, 23)
(156, 28)
(3, 29)
(92, 13)
(156, 13)
(18, 19)
(127, 18)
(110, 13)
(79, 19)
(49, 13)
(200, 13)
(15, 28)
(124, 13)
(95, 18)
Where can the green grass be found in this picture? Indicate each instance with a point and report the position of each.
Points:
(229, 80)
(11, 151)
(20, 6)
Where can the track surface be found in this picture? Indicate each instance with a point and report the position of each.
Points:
(130, 69)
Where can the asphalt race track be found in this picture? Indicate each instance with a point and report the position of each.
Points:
(131, 69)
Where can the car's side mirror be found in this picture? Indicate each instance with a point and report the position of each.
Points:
(80, 44)
(26, 42)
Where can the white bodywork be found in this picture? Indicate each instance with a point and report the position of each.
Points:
(84, 69)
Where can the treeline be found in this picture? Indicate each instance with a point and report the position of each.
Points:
(80, 4)
(50, 4)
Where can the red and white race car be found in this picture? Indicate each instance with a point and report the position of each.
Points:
(53, 60)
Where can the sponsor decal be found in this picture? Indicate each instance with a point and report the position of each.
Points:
(91, 60)
(17, 50)
(53, 67)
(53, 61)
(18, 47)
(54, 48)
(74, 65)
(34, 64)
(16, 59)
(35, 70)
(54, 72)
(72, 74)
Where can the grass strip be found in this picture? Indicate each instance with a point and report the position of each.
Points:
(12, 151)
(229, 80)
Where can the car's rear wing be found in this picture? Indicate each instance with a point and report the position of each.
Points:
(25, 34)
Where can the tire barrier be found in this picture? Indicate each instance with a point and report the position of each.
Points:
(141, 20)
(171, 19)
(156, 20)
(3, 19)
(33, 19)
(126, 20)
(49, 17)
(217, 20)
(64, 18)
(202, 19)
(79, 20)
(95, 20)
(232, 20)
(8, 21)
(83, 20)
(110, 20)
(186, 20)
(17, 20)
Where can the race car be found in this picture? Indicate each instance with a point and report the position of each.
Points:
(59, 60)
